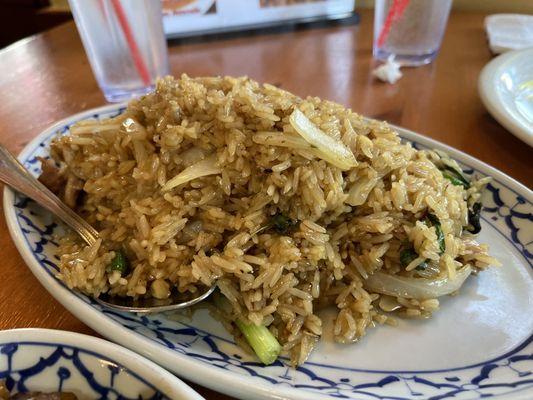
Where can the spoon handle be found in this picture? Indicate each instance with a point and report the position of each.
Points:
(13, 174)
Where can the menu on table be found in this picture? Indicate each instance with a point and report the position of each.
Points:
(192, 17)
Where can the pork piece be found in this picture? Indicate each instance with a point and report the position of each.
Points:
(4, 395)
(43, 396)
(67, 188)
(51, 176)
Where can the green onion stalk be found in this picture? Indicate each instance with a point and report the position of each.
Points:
(265, 345)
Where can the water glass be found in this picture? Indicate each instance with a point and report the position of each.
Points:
(125, 44)
(411, 30)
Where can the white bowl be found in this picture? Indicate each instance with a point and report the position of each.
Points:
(48, 360)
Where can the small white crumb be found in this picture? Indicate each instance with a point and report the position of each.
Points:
(389, 71)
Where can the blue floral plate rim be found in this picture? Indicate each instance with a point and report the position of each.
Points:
(195, 370)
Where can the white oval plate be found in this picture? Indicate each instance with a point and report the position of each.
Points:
(506, 88)
(46, 360)
(478, 344)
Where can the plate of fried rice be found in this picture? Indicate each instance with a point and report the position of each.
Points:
(351, 258)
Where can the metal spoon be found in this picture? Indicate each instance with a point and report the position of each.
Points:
(13, 174)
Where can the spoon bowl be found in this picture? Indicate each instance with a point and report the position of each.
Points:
(175, 301)
(13, 174)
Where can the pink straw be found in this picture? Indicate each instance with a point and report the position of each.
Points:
(132, 44)
(395, 12)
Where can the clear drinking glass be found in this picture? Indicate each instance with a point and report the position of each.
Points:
(411, 30)
(124, 42)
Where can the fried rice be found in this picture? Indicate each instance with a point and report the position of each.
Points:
(288, 205)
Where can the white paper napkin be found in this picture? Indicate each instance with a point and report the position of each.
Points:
(389, 71)
(509, 32)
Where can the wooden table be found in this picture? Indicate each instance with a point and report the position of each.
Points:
(47, 77)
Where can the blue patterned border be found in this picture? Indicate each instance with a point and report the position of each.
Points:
(17, 377)
(479, 380)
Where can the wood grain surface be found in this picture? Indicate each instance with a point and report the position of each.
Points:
(47, 77)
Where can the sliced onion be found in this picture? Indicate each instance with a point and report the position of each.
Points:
(205, 167)
(325, 147)
(282, 140)
(192, 156)
(134, 129)
(415, 288)
(93, 128)
(360, 190)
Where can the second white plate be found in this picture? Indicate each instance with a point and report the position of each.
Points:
(506, 88)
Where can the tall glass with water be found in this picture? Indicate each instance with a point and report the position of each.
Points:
(124, 42)
(411, 30)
